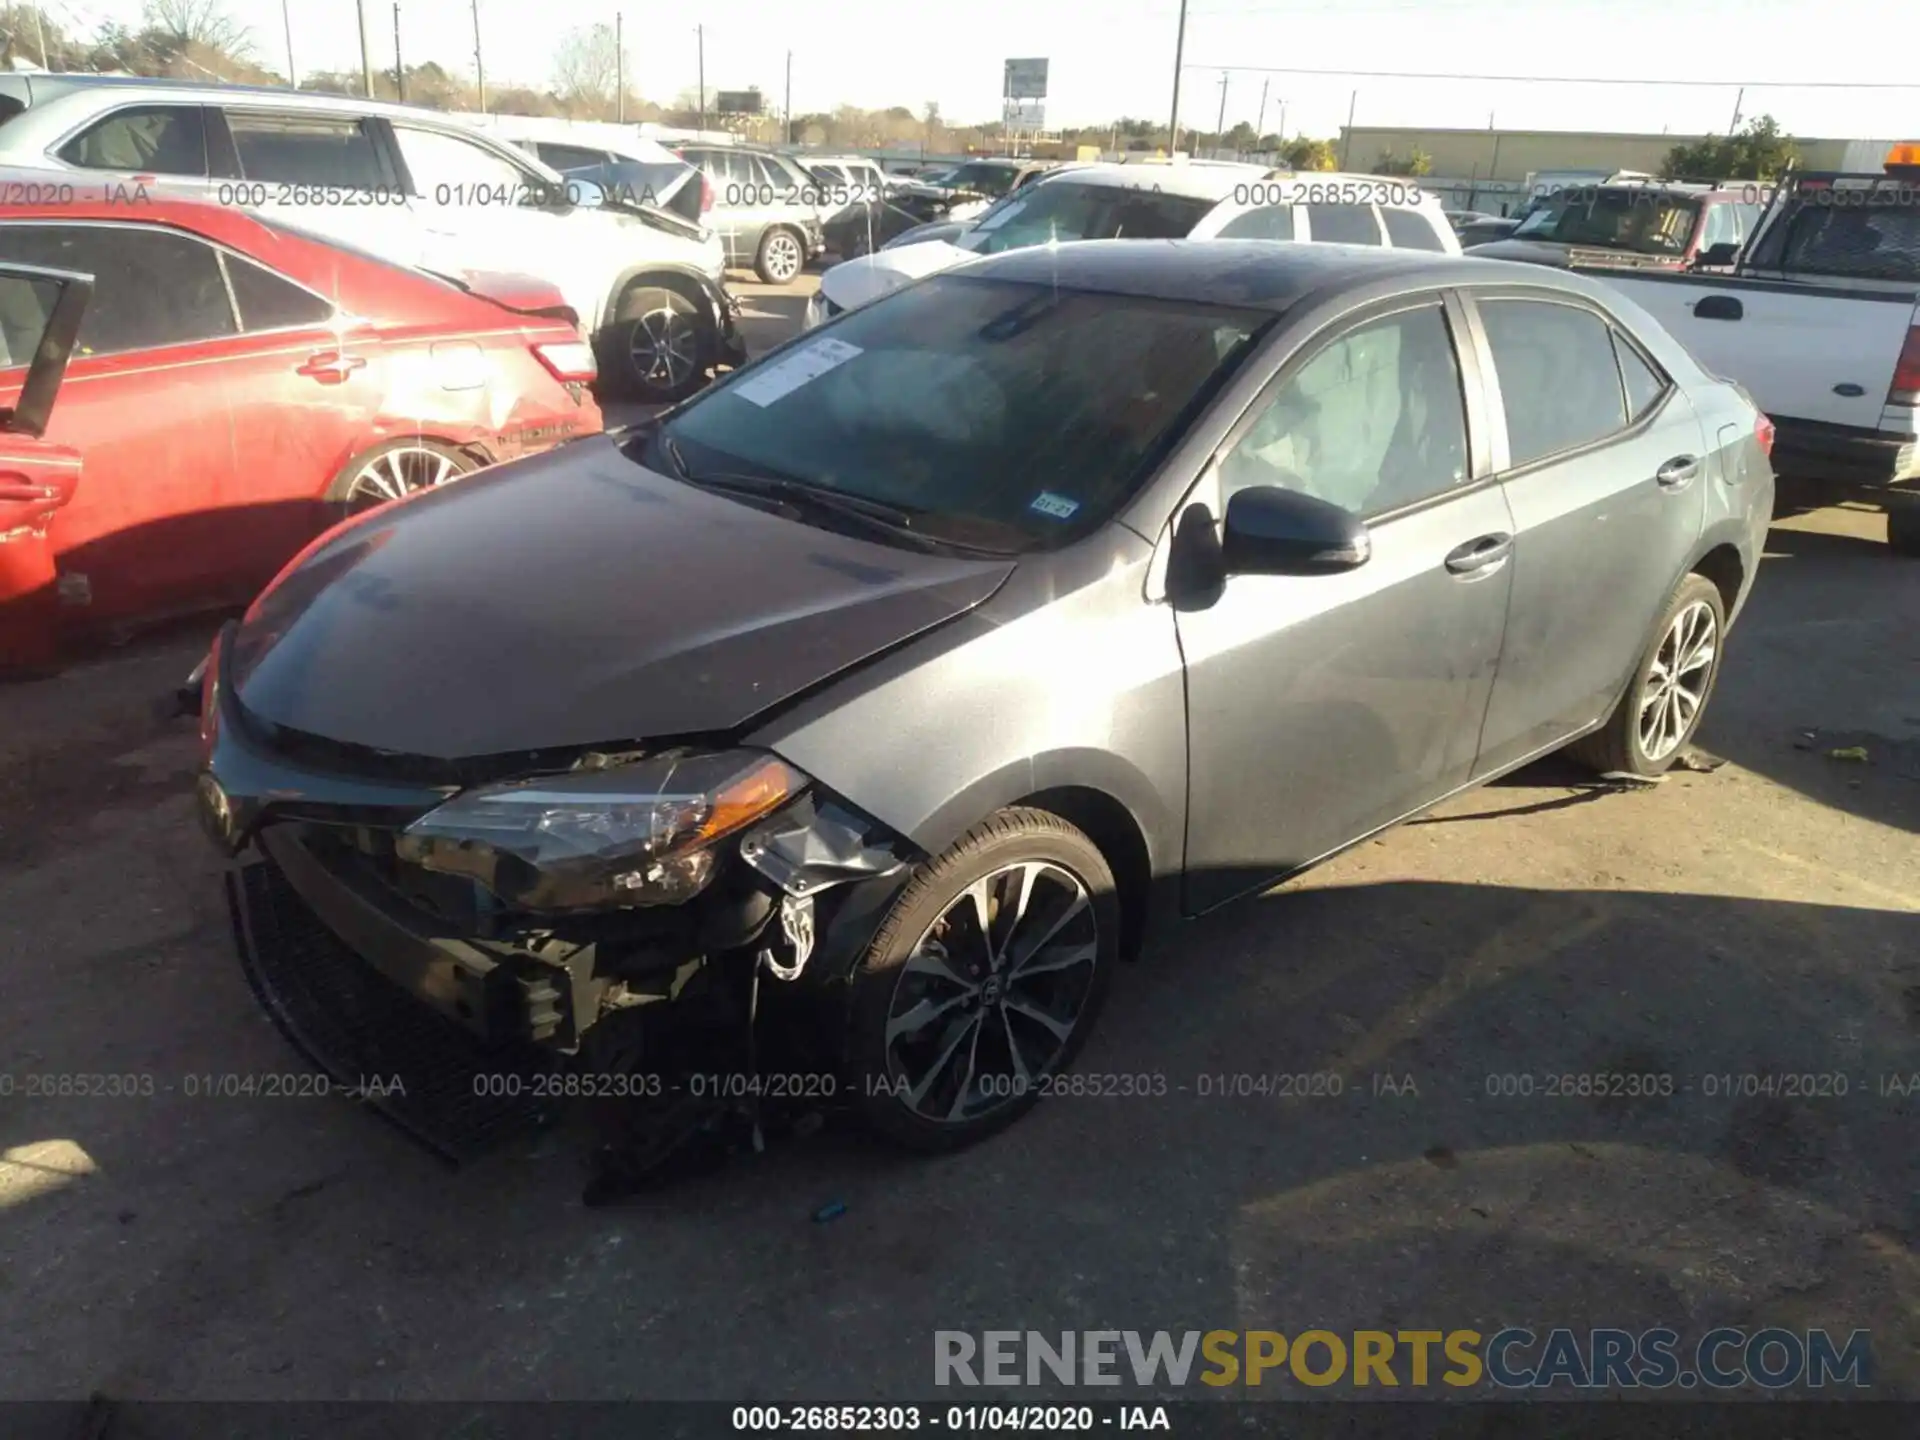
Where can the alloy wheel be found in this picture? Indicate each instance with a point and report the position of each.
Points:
(1676, 683)
(782, 256)
(991, 994)
(664, 348)
(396, 473)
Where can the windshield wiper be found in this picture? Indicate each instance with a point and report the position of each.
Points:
(799, 495)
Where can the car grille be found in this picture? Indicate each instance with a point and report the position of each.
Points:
(361, 1029)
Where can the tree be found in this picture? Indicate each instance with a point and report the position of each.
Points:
(1759, 152)
(1416, 162)
(1301, 153)
(182, 24)
(586, 71)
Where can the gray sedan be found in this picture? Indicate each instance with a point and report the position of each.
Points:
(854, 719)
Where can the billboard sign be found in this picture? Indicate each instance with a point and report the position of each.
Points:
(738, 102)
(1024, 114)
(1025, 80)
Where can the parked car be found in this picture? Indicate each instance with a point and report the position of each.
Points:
(765, 208)
(1630, 225)
(238, 385)
(1485, 231)
(418, 186)
(1005, 619)
(1151, 202)
(1820, 321)
(846, 179)
(622, 162)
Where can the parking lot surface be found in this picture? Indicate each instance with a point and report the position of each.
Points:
(1761, 920)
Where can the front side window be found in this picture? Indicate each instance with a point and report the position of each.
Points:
(1011, 416)
(150, 287)
(448, 169)
(145, 139)
(1062, 210)
(299, 149)
(1559, 383)
(1269, 222)
(1373, 421)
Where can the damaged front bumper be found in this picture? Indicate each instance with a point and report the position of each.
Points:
(316, 825)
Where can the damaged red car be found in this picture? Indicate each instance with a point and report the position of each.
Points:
(238, 385)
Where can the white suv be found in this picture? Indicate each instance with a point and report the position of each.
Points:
(411, 185)
(1167, 201)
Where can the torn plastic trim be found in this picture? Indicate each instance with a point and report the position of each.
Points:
(819, 842)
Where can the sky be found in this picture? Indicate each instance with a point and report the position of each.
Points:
(1115, 57)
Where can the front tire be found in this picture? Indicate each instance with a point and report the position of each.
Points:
(781, 256)
(982, 982)
(1650, 727)
(1903, 524)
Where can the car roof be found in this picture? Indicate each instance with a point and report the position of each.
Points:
(1262, 274)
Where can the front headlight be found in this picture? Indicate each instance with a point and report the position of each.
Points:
(619, 837)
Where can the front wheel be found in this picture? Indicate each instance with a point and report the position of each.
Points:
(1658, 715)
(1903, 523)
(982, 982)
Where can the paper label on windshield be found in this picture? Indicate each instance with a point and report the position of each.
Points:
(1058, 506)
(784, 377)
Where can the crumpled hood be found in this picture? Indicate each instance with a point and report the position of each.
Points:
(868, 277)
(574, 599)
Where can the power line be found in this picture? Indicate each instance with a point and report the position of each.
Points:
(1563, 79)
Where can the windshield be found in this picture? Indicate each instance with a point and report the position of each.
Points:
(1868, 234)
(1649, 223)
(1000, 415)
(1065, 210)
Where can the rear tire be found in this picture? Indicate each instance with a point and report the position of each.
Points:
(952, 1032)
(1903, 524)
(782, 255)
(660, 345)
(1650, 727)
(393, 471)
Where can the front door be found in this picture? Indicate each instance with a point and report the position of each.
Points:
(1606, 470)
(1320, 708)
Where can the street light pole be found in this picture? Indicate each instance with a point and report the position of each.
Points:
(700, 35)
(1179, 51)
(366, 55)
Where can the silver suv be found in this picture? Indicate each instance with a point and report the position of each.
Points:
(765, 207)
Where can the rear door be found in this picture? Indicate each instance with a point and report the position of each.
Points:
(148, 401)
(1605, 469)
(1323, 707)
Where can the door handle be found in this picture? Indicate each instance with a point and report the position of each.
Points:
(1719, 307)
(1678, 472)
(330, 367)
(1477, 555)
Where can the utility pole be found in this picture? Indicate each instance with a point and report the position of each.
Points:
(1260, 127)
(40, 32)
(700, 37)
(399, 69)
(1220, 125)
(1346, 140)
(1737, 101)
(1179, 50)
(286, 21)
(366, 55)
(479, 65)
(787, 111)
(620, 67)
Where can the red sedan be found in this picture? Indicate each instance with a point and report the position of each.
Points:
(238, 385)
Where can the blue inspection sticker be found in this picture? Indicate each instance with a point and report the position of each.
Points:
(1058, 506)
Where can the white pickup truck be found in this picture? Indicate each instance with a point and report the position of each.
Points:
(1820, 322)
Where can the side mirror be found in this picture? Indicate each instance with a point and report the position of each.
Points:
(1273, 531)
(1716, 256)
(587, 194)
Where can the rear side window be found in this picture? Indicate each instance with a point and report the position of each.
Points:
(146, 139)
(10, 106)
(306, 150)
(1269, 222)
(1559, 382)
(150, 287)
(1343, 224)
(569, 157)
(1645, 385)
(1410, 230)
(268, 302)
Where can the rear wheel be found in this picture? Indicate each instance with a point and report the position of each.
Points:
(392, 472)
(780, 257)
(1903, 523)
(1658, 715)
(660, 345)
(983, 981)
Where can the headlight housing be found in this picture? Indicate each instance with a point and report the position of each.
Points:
(619, 837)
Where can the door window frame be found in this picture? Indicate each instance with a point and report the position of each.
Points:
(386, 153)
(1496, 405)
(99, 118)
(1473, 398)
